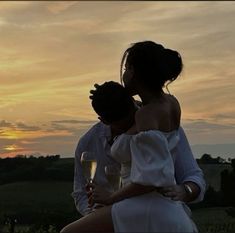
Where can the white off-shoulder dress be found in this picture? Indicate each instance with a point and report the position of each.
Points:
(147, 158)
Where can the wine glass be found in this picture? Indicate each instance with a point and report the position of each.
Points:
(89, 165)
(112, 173)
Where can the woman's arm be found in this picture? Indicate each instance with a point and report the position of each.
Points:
(98, 195)
(130, 190)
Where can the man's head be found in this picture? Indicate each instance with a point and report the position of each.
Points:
(113, 105)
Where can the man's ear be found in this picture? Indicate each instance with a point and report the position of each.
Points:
(103, 120)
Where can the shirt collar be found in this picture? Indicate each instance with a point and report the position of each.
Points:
(105, 130)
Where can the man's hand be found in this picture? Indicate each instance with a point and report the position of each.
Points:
(175, 192)
(99, 195)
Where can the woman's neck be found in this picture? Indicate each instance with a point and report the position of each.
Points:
(148, 97)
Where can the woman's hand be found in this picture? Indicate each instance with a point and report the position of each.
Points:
(99, 195)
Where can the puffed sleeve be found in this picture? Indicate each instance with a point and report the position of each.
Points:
(152, 163)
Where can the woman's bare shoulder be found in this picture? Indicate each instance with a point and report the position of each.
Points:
(175, 106)
(162, 116)
(174, 100)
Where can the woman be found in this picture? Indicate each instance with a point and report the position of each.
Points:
(148, 144)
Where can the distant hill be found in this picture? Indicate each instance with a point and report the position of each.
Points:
(50, 168)
(223, 150)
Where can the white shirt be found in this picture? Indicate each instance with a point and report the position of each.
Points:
(96, 140)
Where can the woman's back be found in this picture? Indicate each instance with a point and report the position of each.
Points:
(162, 114)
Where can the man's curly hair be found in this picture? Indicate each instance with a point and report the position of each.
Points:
(111, 101)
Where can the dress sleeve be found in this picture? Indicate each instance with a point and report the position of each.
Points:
(152, 163)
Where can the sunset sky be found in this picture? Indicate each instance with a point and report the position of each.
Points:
(51, 54)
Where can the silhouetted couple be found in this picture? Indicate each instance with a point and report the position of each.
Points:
(158, 171)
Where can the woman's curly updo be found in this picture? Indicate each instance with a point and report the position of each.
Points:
(153, 65)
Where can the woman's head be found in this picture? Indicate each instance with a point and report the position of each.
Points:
(113, 105)
(150, 65)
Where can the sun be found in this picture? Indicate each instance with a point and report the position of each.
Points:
(11, 148)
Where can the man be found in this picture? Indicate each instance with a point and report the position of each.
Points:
(189, 177)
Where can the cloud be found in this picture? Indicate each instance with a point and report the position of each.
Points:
(58, 7)
(48, 143)
(202, 125)
(221, 116)
(18, 126)
(206, 132)
(14, 6)
(44, 141)
(55, 137)
(68, 125)
(4, 123)
(24, 127)
(73, 122)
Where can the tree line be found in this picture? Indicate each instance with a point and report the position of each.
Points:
(226, 195)
(22, 168)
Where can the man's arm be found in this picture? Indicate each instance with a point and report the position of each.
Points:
(79, 190)
(187, 170)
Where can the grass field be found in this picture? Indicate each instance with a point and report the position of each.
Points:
(31, 195)
(53, 198)
(214, 220)
(37, 202)
(209, 220)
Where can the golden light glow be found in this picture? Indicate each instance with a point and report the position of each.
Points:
(17, 134)
(11, 148)
(11, 134)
